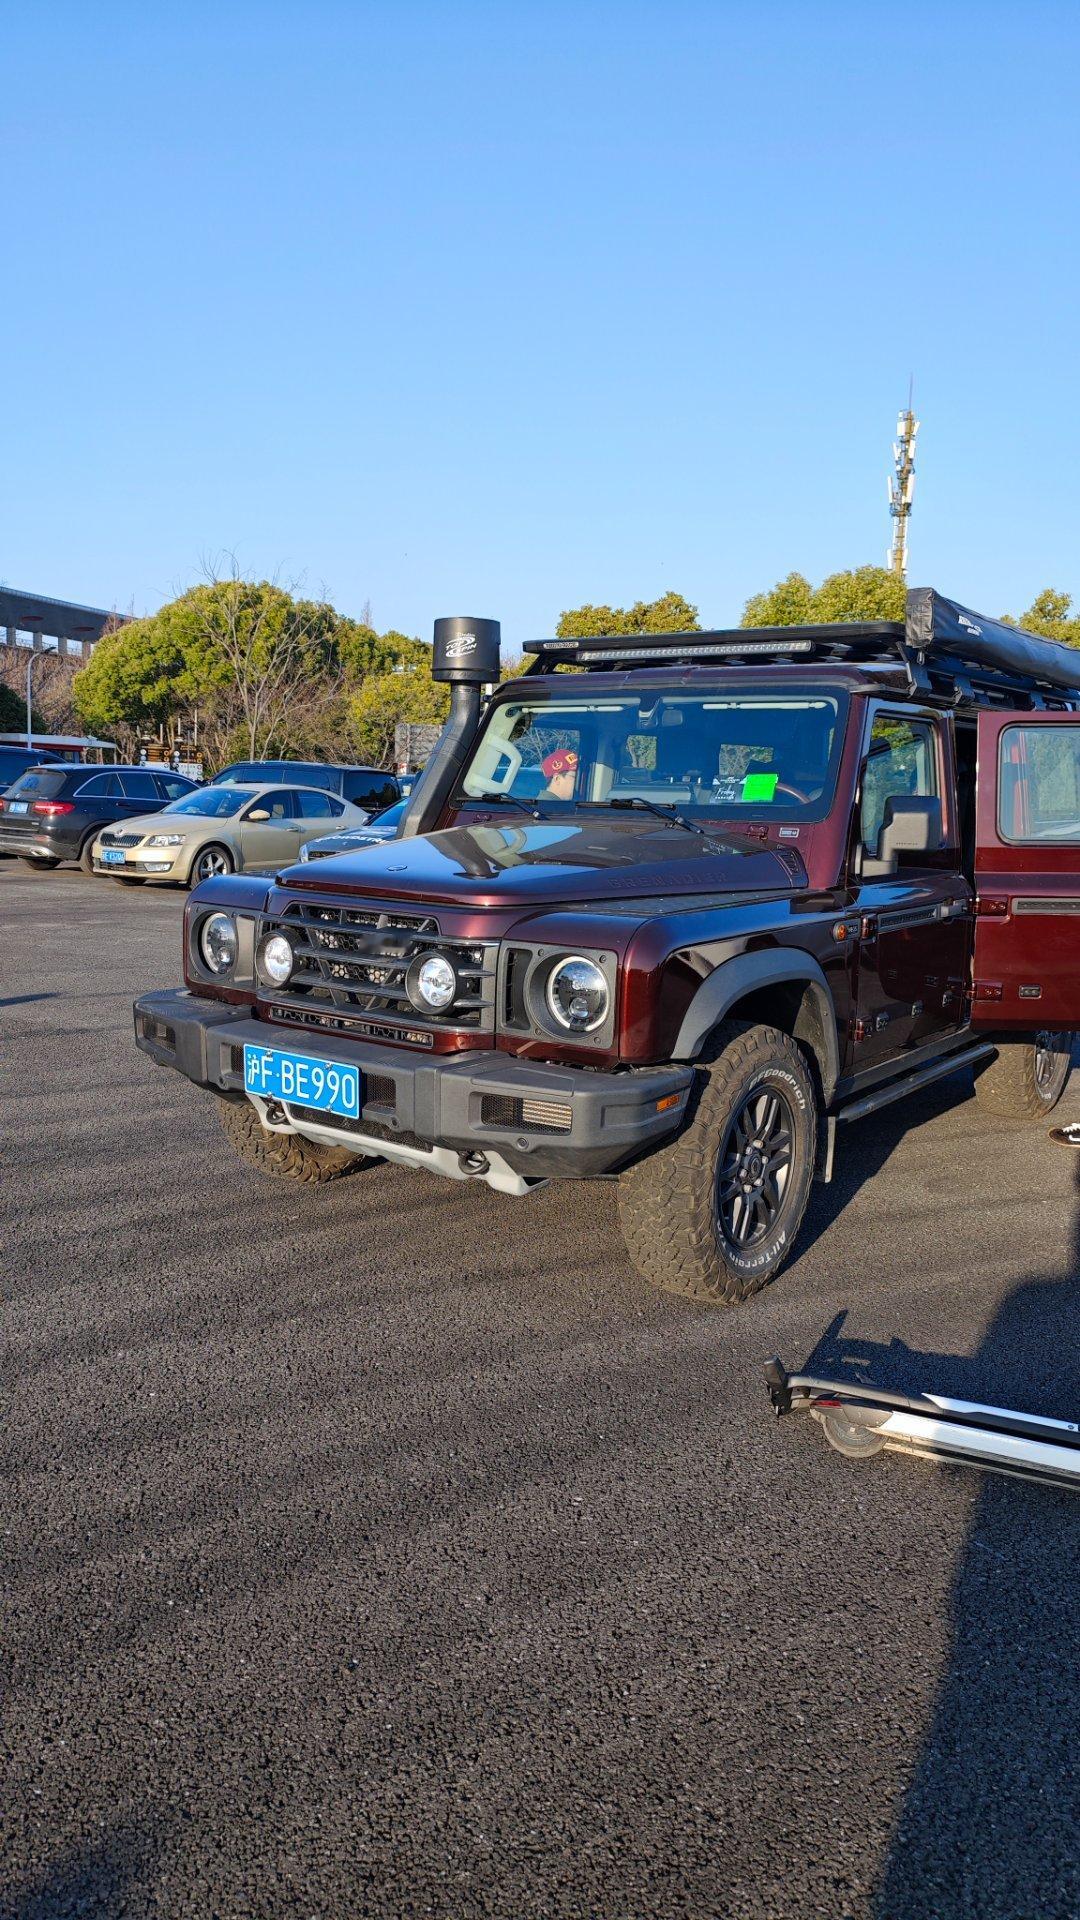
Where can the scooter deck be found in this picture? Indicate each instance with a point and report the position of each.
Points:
(860, 1420)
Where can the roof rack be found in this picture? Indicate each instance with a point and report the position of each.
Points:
(950, 656)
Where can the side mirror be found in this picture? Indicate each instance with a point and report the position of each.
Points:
(257, 813)
(910, 824)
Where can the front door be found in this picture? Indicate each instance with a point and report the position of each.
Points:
(914, 924)
(275, 841)
(1027, 873)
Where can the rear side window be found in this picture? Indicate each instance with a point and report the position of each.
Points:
(46, 785)
(138, 786)
(1039, 784)
(370, 790)
(316, 806)
(171, 788)
(100, 786)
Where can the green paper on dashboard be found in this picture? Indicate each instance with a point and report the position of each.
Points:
(760, 786)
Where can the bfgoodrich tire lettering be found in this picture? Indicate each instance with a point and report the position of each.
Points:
(755, 1114)
(287, 1155)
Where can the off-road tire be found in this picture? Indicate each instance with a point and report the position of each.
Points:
(287, 1155)
(1012, 1086)
(86, 852)
(38, 866)
(668, 1202)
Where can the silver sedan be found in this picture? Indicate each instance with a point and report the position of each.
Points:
(233, 829)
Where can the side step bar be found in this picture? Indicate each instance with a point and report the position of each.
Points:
(939, 1069)
(861, 1420)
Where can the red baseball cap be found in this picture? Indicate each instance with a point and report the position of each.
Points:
(563, 760)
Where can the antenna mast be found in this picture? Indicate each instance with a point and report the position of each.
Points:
(902, 487)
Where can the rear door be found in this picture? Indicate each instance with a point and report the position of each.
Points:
(1027, 872)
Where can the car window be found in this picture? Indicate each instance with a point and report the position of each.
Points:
(901, 762)
(368, 789)
(101, 786)
(139, 786)
(1039, 784)
(280, 804)
(171, 787)
(390, 820)
(337, 807)
(45, 784)
(210, 803)
(314, 806)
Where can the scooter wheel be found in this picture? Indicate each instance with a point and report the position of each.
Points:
(855, 1443)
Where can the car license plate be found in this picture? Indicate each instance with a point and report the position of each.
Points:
(113, 856)
(302, 1081)
(17, 806)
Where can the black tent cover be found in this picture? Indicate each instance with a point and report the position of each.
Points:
(932, 622)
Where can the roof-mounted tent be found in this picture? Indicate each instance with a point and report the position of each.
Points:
(948, 652)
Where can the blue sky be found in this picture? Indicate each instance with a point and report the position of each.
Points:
(493, 309)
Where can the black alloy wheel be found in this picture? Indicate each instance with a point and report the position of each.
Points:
(753, 1168)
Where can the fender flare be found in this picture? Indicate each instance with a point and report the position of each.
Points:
(733, 979)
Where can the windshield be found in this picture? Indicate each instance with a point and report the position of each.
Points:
(753, 755)
(217, 803)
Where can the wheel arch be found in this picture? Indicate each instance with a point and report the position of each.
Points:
(780, 987)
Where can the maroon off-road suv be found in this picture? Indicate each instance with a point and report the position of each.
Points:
(667, 909)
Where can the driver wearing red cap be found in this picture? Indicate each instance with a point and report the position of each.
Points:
(560, 771)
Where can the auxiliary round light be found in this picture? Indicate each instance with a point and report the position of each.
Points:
(218, 946)
(276, 959)
(577, 994)
(432, 984)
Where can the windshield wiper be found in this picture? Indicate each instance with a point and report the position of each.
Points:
(509, 800)
(667, 814)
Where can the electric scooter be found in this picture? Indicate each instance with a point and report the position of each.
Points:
(861, 1420)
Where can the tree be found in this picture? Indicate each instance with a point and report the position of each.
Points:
(863, 593)
(386, 698)
(1049, 614)
(669, 614)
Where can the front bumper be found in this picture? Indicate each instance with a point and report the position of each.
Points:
(139, 863)
(539, 1120)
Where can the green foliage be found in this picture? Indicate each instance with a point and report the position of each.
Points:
(12, 710)
(264, 672)
(863, 593)
(1050, 615)
(670, 614)
(386, 698)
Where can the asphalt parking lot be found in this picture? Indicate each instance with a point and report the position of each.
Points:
(392, 1549)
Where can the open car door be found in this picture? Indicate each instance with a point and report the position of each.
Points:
(1027, 872)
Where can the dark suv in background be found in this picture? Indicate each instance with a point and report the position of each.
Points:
(53, 813)
(16, 760)
(368, 787)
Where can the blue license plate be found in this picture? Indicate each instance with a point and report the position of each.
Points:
(302, 1081)
(17, 806)
(113, 856)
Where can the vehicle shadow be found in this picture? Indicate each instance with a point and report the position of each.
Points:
(987, 1829)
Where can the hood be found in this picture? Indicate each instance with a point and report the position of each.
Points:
(541, 862)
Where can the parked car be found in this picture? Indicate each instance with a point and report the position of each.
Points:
(16, 760)
(54, 812)
(221, 829)
(383, 826)
(367, 787)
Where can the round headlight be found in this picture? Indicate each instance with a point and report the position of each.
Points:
(577, 995)
(431, 984)
(217, 943)
(276, 959)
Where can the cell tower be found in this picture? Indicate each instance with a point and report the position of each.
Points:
(902, 488)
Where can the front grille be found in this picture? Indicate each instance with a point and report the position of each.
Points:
(111, 839)
(353, 961)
